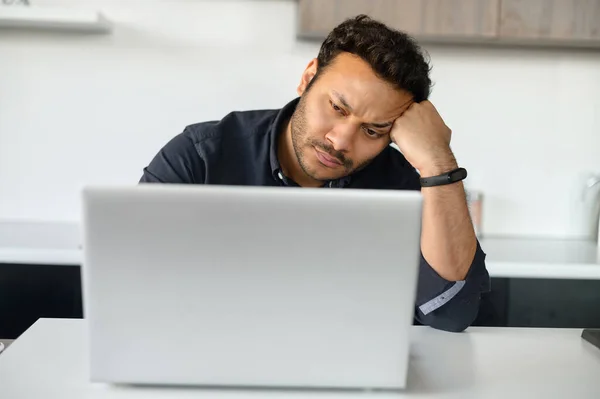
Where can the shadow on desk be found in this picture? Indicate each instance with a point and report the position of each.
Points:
(449, 377)
(4, 344)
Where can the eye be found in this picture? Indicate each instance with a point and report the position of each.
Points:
(372, 133)
(336, 108)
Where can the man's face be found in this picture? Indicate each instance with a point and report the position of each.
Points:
(344, 120)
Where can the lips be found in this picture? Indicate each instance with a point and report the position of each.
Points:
(327, 160)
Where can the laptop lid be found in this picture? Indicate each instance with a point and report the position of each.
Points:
(250, 286)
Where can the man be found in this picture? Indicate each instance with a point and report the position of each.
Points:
(368, 87)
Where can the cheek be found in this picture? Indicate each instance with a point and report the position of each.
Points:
(319, 122)
(367, 149)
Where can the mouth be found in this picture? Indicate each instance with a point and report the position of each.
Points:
(327, 160)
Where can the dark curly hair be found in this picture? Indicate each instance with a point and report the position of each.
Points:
(393, 55)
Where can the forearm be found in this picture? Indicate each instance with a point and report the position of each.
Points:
(448, 241)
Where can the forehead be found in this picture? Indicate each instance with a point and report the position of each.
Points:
(367, 93)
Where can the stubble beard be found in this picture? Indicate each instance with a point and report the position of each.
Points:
(300, 142)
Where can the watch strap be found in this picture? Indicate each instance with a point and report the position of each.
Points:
(453, 176)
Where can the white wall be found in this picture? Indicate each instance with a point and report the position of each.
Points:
(78, 109)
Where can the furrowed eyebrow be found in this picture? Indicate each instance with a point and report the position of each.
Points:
(342, 100)
(386, 124)
(380, 125)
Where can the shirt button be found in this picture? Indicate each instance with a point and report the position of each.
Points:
(280, 175)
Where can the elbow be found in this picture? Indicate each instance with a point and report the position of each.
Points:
(453, 317)
(455, 326)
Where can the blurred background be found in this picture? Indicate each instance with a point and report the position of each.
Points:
(79, 108)
(90, 90)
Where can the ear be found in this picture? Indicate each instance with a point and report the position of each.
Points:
(308, 75)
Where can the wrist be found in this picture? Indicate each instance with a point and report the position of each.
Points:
(439, 167)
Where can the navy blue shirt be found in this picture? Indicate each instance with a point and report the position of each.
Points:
(241, 149)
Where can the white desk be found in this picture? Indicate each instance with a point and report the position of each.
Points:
(50, 361)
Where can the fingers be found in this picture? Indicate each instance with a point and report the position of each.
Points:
(424, 106)
(428, 107)
(411, 106)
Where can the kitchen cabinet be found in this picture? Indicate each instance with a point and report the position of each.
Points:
(459, 18)
(568, 21)
(535, 282)
(560, 23)
(439, 19)
(30, 291)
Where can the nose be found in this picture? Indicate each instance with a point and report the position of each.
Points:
(341, 137)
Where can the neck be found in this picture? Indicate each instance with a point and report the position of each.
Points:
(289, 162)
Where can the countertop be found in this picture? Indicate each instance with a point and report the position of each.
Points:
(46, 243)
(54, 243)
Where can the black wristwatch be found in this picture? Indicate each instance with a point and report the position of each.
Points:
(447, 178)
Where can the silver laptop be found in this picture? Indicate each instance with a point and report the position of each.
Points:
(250, 286)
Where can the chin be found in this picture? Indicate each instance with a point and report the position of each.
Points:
(321, 175)
(320, 172)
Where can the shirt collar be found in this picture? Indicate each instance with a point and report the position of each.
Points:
(276, 129)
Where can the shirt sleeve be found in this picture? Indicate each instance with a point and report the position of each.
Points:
(177, 162)
(451, 305)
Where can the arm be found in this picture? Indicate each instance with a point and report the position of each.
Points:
(451, 305)
(448, 239)
(451, 295)
(177, 162)
(452, 273)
